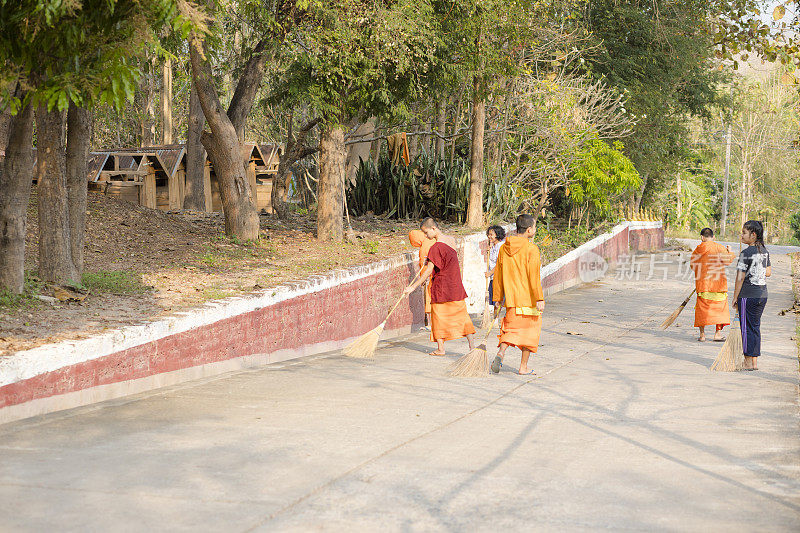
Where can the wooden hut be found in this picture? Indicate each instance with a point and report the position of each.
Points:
(153, 176)
(129, 174)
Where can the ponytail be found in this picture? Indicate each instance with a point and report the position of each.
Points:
(754, 226)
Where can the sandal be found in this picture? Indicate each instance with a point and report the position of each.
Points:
(497, 364)
(437, 354)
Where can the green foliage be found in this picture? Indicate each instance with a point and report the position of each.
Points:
(114, 282)
(661, 56)
(31, 287)
(794, 223)
(78, 51)
(504, 198)
(428, 187)
(696, 203)
(601, 174)
(359, 58)
(370, 247)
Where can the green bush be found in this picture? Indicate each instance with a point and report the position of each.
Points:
(114, 282)
(32, 286)
(428, 187)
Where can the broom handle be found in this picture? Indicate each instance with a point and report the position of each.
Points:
(491, 326)
(686, 301)
(402, 296)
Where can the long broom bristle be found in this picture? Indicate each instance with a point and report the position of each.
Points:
(731, 355)
(671, 318)
(364, 347)
(473, 365)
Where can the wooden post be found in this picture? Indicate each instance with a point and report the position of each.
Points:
(147, 192)
(176, 189)
(251, 177)
(166, 102)
(207, 185)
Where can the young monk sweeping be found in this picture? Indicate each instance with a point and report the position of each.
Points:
(419, 240)
(517, 279)
(449, 317)
(708, 262)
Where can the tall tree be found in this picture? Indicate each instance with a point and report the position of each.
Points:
(15, 190)
(359, 59)
(660, 54)
(223, 142)
(70, 55)
(486, 40)
(195, 198)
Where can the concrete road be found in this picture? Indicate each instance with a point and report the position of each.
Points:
(623, 428)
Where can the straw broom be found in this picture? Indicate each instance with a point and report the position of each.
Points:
(364, 346)
(731, 355)
(671, 318)
(474, 364)
(487, 309)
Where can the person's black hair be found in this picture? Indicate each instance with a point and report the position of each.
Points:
(499, 232)
(754, 226)
(707, 232)
(523, 223)
(428, 222)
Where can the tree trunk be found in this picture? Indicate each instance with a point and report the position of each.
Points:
(456, 124)
(278, 195)
(15, 192)
(475, 202)
(55, 255)
(148, 123)
(745, 178)
(246, 89)
(294, 151)
(166, 102)
(195, 198)
(78, 127)
(224, 150)
(441, 125)
(639, 197)
(5, 129)
(330, 189)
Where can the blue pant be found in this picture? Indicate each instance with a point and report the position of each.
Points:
(750, 311)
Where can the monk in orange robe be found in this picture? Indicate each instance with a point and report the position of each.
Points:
(708, 262)
(449, 317)
(419, 240)
(517, 280)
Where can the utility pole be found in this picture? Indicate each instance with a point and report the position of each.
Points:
(727, 179)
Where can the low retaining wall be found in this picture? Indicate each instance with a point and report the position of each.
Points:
(564, 272)
(321, 314)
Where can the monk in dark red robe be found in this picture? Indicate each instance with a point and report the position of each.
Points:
(449, 317)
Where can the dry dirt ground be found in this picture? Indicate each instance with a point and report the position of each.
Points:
(141, 264)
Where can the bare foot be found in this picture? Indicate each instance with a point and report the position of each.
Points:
(718, 336)
(523, 371)
(437, 353)
(702, 338)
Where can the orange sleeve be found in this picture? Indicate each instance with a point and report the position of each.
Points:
(497, 283)
(535, 274)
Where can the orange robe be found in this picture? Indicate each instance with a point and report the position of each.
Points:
(449, 317)
(517, 280)
(450, 321)
(419, 240)
(708, 262)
